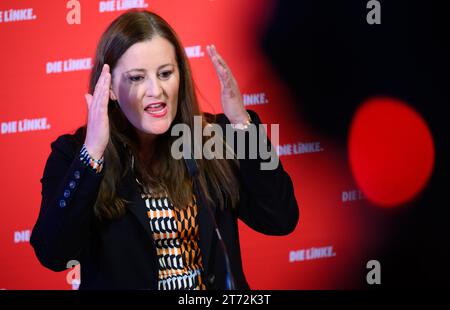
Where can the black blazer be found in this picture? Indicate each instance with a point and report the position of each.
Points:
(120, 253)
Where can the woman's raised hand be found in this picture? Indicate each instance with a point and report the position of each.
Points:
(232, 103)
(97, 134)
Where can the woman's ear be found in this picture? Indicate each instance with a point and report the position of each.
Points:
(112, 95)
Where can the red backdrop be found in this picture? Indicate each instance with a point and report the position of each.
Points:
(335, 232)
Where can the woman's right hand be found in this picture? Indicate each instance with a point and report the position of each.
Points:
(97, 133)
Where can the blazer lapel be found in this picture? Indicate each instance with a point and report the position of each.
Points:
(129, 191)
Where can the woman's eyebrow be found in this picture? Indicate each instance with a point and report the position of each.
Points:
(144, 70)
(165, 65)
(136, 69)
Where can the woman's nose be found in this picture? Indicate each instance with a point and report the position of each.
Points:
(154, 88)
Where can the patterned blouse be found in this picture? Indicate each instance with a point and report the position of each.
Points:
(175, 234)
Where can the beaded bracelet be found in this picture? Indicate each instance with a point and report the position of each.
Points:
(95, 164)
(243, 126)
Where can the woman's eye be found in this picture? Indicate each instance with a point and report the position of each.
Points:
(165, 74)
(136, 78)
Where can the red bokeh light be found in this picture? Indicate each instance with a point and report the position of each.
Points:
(391, 151)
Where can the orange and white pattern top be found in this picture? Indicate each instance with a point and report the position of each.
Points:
(175, 234)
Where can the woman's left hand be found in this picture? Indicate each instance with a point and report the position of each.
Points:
(232, 103)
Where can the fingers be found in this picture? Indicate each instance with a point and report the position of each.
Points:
(100, 79)
(104, 97)
(101, 91)
(212, 53)
(216, 58)
(219, 65)
(88, 98)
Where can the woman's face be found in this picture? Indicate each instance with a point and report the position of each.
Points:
(145, 82)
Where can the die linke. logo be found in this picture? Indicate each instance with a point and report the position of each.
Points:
(68, 65)
(194, 51)
(352, 195)
(21, 236)
(311, 254)
(255, 99)
(24, 125)
(121, 5)
(16, 15)
(299, 148)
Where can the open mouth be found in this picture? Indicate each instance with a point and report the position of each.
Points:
(157, 109)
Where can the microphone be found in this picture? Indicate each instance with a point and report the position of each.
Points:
(192, 167)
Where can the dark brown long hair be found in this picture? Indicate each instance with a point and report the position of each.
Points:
(217, 178)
